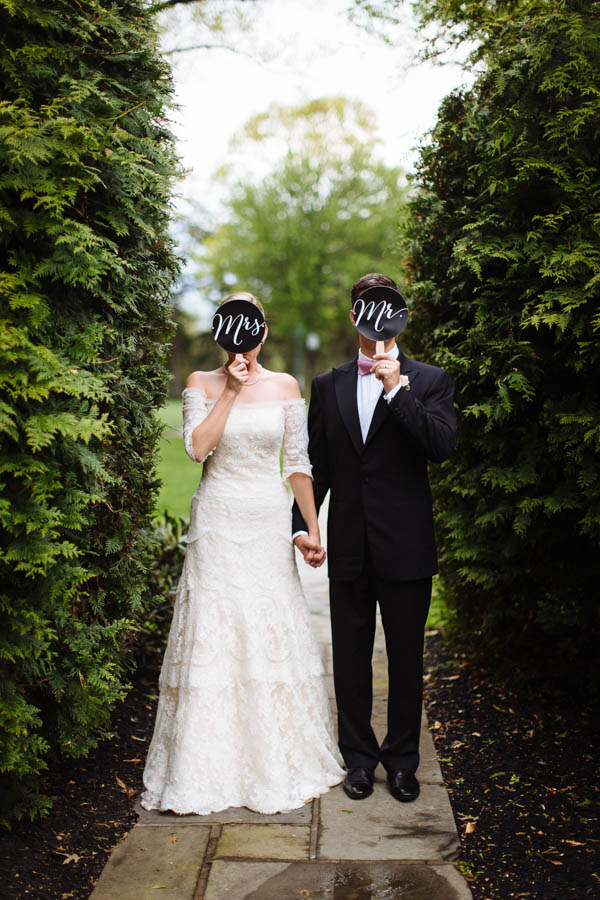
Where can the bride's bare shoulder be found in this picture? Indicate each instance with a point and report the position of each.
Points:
(204, 380)
(287, 385)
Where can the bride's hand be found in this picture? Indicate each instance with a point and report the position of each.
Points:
(311, 549)
(237, 375)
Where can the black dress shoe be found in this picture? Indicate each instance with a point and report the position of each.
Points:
(358, 783)
(403, 785)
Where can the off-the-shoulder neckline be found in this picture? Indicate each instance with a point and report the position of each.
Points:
(247, 402)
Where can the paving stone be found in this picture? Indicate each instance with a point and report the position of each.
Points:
(329, 686)
(264, 842)
(236, 880)
(302, 816)
(326, 881)
(327, 657)
(429, 768)
(381, 828)
(154, 862)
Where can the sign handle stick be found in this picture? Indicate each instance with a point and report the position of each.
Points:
(379, 348)
(239, 357)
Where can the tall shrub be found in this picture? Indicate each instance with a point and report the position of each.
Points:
(503, 245)
(86, 161)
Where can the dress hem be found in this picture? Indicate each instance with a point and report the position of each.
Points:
(296, 804)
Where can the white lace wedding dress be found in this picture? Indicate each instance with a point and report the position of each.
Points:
(243, 717)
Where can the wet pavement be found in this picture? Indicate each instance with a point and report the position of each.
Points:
(331, 849)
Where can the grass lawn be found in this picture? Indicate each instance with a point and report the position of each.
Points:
(179, 475)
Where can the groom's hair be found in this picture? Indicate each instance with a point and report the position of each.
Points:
(373, 279)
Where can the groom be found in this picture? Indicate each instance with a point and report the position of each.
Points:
(374, 423)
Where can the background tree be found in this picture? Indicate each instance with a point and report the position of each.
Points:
(86, 164)
(189, 25)
(325, 213)
(191, 348)
(504, 249)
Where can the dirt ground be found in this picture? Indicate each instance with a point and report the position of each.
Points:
(521, 764)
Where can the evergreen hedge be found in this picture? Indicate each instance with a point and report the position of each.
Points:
(154, 623)
(503, 248)
(86, 165)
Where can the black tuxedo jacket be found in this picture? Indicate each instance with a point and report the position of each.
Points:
(379, 489)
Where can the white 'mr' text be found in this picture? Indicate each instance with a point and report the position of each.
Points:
(380, 312)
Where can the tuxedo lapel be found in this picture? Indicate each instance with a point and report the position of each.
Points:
(381, 411)
(345, 391)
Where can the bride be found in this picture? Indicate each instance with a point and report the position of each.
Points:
(243, 717)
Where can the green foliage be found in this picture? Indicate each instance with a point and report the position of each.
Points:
(325, 214)
(86, 163)
(504, 250)
(154, 620)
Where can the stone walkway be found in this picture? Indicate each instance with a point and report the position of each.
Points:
(331, 849)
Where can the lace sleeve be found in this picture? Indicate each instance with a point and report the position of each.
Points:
(295, 440)
(194, 412)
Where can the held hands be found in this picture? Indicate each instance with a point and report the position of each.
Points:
(387, 370)
(311, 549)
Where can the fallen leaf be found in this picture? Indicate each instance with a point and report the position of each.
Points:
(344, 810)
(469, 827)
(71, 857)
(131, 792)
(174, 838)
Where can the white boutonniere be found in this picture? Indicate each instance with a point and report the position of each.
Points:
(404, 382)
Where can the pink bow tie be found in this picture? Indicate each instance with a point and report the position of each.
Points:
(365, 365)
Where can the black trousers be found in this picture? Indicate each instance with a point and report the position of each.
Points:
(404, 606)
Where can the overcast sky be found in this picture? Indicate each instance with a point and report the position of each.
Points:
(296, 50)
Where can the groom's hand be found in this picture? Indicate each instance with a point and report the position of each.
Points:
(313, 553)
(387, 371)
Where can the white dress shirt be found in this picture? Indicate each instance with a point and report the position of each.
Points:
(368, 392)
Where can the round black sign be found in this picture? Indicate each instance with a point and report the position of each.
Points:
(380, 313)
(238, 326)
